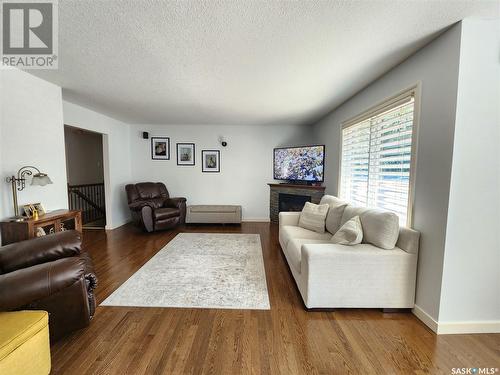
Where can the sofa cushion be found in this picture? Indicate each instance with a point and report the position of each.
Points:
(293, 250)
(351, 233)
(350, 211)
(288, 232)
(313, 217)
(334, 216)
(380, 228)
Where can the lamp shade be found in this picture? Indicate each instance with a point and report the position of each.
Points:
(40, 179)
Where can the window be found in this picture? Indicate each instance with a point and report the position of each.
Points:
(377, 157)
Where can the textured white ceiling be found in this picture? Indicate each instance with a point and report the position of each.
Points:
(237, 62)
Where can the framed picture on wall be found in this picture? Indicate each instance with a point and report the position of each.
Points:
(185, 153)
(160, 148)
(210, 161)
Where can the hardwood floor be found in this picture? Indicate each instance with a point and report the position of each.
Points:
(284, 340)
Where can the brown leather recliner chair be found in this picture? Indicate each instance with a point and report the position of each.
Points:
(49, 273)
(152, 207)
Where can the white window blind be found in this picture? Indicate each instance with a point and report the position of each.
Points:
(377, 156)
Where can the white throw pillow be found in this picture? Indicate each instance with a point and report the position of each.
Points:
(313, 217)
(351, 233)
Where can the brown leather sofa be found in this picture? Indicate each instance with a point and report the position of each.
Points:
(152, 208)
(49, 273)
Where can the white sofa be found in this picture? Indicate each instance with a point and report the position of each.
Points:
(329, 275)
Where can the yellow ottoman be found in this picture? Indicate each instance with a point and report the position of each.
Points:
(24, 343)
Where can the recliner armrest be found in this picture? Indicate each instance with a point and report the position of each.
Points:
(179, 203)
(39, 250)
(138, 205)
(27, 285)
(175, 202)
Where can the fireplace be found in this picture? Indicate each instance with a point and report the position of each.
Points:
(291, 197)
(292, 202)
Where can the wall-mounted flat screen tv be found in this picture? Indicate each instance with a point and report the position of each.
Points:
(304, 163)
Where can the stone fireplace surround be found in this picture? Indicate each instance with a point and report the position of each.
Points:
(310, 193)
(292, 202)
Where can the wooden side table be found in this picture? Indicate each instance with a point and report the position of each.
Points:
(14, 231)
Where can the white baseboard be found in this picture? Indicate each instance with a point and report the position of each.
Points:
(256, 220)
(485, 326)
(425, 318)
(249, 220)
(447, 328)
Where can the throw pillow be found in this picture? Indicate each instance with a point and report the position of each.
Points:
(380, 227)
(313, 217)
(351, 233)
(334, 217)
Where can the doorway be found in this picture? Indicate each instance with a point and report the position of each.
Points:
(85, 173)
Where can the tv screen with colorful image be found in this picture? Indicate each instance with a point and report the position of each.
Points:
(305, 163)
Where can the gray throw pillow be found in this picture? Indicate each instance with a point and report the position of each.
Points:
(334, 217)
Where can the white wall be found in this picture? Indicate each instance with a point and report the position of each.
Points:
(246, 163)
(33, 115)
(116, 158)
(471, 278)
(31, 134)
(4, 193)
(436, 67)
(84, 164)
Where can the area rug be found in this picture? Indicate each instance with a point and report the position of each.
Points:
(200, 270)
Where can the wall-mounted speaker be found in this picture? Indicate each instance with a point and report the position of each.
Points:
(145, 135)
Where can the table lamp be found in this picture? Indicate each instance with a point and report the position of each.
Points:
(19, 183)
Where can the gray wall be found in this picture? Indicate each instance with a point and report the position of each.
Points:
(471, 279)
(436, 68)
(84, 164)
